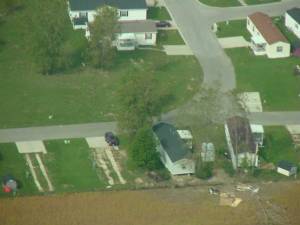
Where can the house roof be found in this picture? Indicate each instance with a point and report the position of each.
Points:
(171, 141)
(295, 14)
(137, 26)
(266, 27)
(87, 5)
(285, 165)
(241, 135)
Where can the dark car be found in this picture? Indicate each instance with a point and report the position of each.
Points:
(111, 139)
(163, 23)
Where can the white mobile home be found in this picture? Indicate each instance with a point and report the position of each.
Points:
(266, 38)
(174, 153)
(240, 142)
(292, 20)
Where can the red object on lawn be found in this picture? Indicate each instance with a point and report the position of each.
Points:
(6, 189)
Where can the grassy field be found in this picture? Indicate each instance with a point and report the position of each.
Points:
(13, 163)
(27, 97)
(233, 28)
(169, 37)
(221, 3)
(158, 13)
(279, 146)
(273, 78)
(255, 2)
(70, 166)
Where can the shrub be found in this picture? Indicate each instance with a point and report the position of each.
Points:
(204, 170)
(228, 168)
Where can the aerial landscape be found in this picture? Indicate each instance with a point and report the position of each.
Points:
(161, 112)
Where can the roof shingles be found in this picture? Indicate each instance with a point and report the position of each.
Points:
(266, 27)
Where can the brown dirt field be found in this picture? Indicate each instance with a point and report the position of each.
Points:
(188, 206)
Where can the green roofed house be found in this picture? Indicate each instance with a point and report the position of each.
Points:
(174, 153)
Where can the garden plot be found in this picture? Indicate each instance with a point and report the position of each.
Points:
(36, 165)
(104, 159)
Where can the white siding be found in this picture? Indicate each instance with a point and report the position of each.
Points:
(292, 25)
(230, 147)
(141, 39)
(283, 171)
(273, 53)
(134, 14)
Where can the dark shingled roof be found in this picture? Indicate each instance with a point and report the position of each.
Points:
(137, 26)
(171, 141)
(285, 165)
(241, 135)
(295, 14)
(85, 5)
(266, 27)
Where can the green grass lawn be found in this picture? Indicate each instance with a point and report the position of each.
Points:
(273, 78)
(254, 2)
(158, 13)
(233, 28)
(82, 95)
(221, 3)
(70, 166)
(169, 37)
(13, 163)
(279, 146)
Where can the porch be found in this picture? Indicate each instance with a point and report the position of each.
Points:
(258, 45)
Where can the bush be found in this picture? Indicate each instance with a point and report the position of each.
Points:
(204, 170)
(227, 166)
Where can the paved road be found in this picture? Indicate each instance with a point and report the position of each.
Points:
(56, 132)
(194, 21)
(275, 118)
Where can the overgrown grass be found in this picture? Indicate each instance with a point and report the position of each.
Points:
(233, 28)
(70, 166)
(13, 163)
(273, 78)
(255, 2)
(158, 13)
(279, 146)
(169, 37)
(81, 95)
(221, 3)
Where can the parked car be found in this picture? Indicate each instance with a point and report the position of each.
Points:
(111, 139)
(163, 23)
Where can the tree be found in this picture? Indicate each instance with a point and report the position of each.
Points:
(103, 30)
(139, 100)
(49, 25)
(142, 151)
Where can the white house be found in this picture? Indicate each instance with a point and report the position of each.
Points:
(135, 29)
(266, 38)
(286, 168)
(292, 20)
(135, 33)
(240, 142)
(174, 153)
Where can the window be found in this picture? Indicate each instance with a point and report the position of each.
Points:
(148, 36)
(279, 48)
(123, 13)
(83, 14)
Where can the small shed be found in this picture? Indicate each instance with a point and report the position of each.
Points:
(208, 152)
(286, 168)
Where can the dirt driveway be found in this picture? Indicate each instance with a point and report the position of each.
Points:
(188, 206)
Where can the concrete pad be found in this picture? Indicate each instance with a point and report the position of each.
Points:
(96, 142)
(233, 42)
(251, 101)
(31, 147)
(177, 50)
(293, 129)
